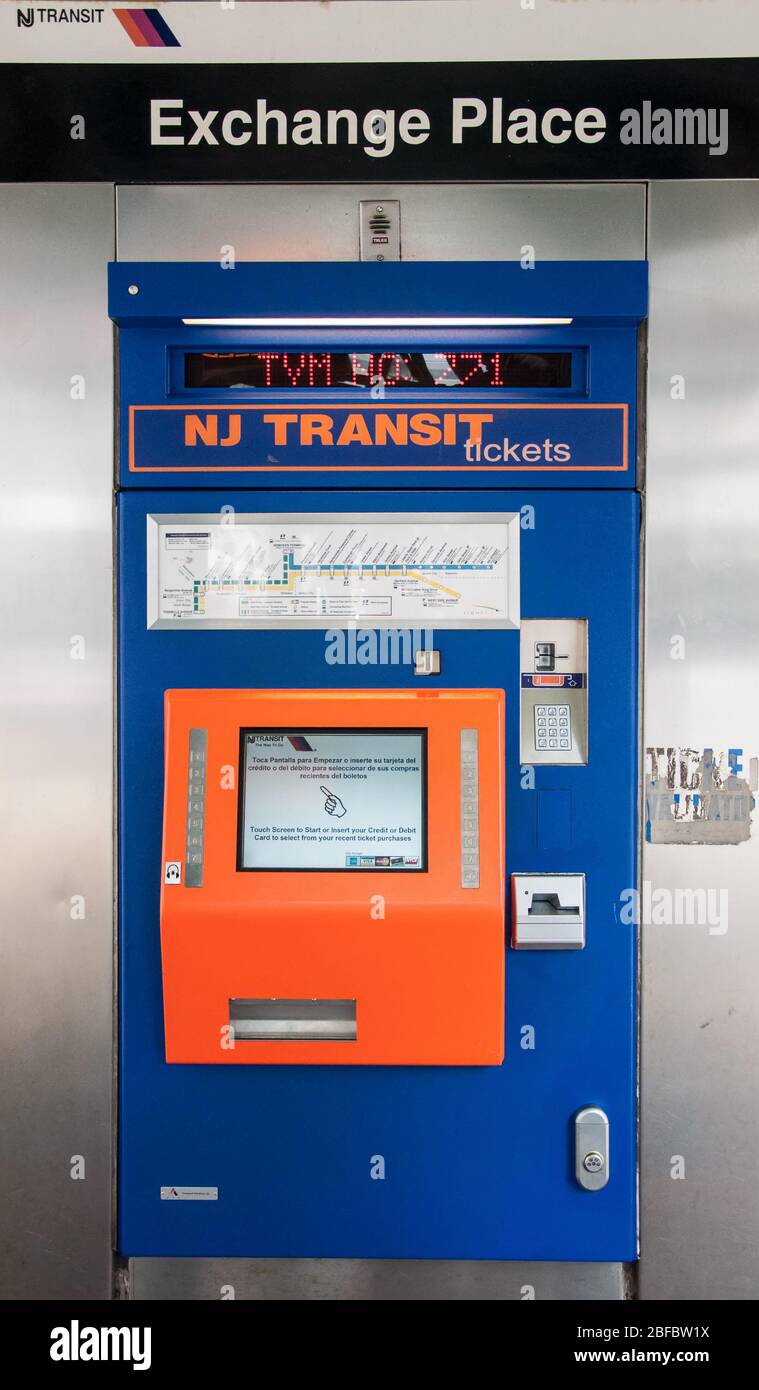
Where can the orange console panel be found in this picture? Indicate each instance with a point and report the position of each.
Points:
(333, 877)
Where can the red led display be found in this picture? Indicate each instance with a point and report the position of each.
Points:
(381, 370)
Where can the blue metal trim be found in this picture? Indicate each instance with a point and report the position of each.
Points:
(586, 291)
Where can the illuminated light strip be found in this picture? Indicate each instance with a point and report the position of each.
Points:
(376, 323)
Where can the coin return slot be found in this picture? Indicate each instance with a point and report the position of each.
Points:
(297, 1020)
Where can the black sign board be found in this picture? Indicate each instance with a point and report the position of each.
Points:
(381, 122)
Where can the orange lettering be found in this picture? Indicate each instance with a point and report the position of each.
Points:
(426, 429)
(234, 430)
(449, 428)
(386, 428)
(195, 429)
(316, 426)
(280, 423)
(475, 420)
(354, 431)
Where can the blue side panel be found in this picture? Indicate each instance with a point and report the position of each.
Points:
(478, 1161)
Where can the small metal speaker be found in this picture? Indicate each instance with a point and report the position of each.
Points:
(379, 230)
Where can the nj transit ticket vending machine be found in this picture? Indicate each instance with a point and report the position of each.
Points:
(378, 595)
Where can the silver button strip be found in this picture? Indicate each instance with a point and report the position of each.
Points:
(196, 808)
(470, 809)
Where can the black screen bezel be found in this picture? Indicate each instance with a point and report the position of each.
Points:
(304, 731)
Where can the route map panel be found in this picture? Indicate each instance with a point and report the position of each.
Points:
(313, 571)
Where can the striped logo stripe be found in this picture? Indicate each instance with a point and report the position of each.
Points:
(147, 28)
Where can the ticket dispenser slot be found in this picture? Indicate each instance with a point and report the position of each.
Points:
(548, 911)
(256, 1020)
(349, 906)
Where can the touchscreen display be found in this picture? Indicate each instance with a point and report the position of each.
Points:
(333, 799)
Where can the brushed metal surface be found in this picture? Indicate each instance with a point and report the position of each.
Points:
(56, 742)
(700, 1084)
(479, 222)
(375, 1280)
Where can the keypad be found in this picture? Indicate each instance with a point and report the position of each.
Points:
(553, 728)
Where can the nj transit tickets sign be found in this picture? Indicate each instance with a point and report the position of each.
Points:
(577, 437)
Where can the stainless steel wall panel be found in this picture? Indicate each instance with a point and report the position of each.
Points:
(376, 1280)
(700, 1086)
(56, 741)
(479, 222)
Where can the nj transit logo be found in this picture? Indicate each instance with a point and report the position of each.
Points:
(576, 437)
(65, 14)
(147, 28)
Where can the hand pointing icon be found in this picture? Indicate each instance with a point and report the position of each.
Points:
(333, 805)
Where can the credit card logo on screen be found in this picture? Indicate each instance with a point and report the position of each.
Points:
(378, 861)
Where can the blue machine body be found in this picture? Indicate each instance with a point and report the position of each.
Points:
(479, 1161)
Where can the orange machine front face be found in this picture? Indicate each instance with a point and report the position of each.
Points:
(333, 877)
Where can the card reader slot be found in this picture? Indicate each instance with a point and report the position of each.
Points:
(296, 1020)
(548, 905)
